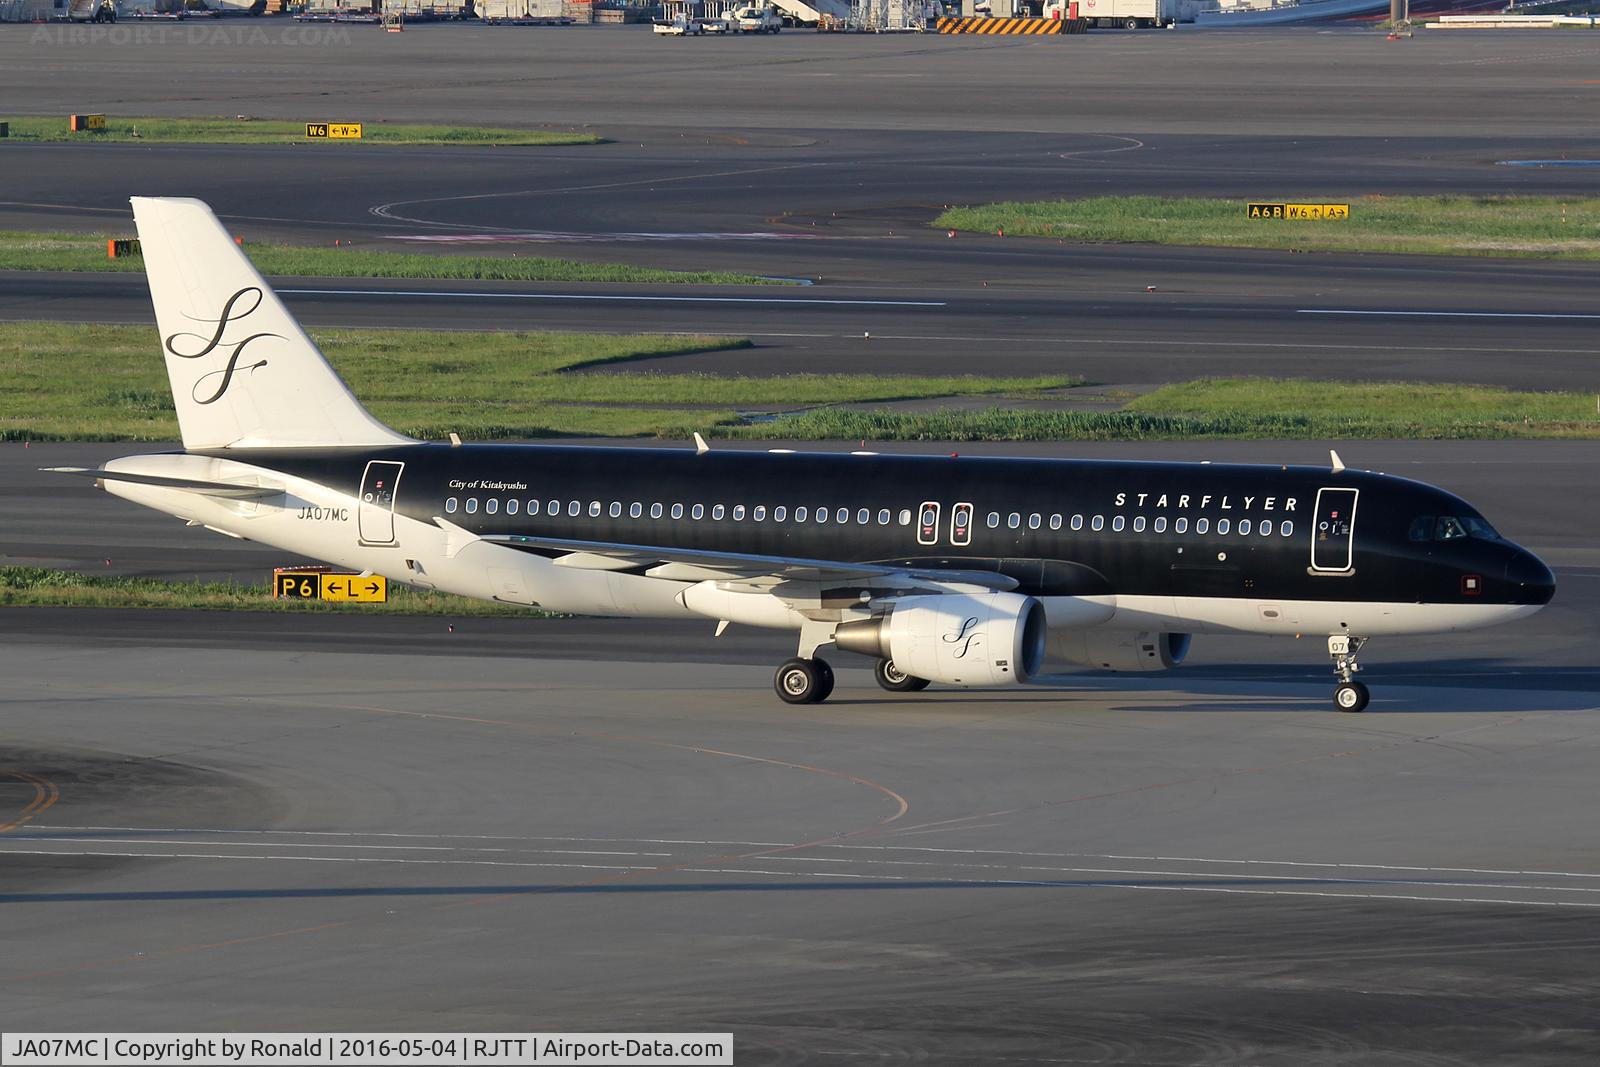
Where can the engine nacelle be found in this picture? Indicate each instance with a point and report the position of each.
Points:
(1120, 650)
(959, 639)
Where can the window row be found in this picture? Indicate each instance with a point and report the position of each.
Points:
(1203, 525)
(718, 512)
(862, 516)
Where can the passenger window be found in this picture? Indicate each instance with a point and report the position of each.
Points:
(1098, 524)
(1422, 528)
(779, 513)
(574, 508)
(863, 516)
(512, 507)
(1138, 524)
(905, 516)
(698, 513)
(677, 511)
(472, 505)
(1223, 525)
(800, 514)
(1266, 527)
(842, 515)
(533, 507)
(1285, 528)
(1449, 528)
(1180, 525)
(635, 510)
(594, 509)
(1034, 520)
(1014, 520)
(1244, 526)
(883, 516)
(822, 514)
(994, 519)
(1202, 525)
(717, 511)
(1160, 525)
(491, 505)
(738, 513)
(655, 510)
(450, 506)
(1117, 523)
(1055, 522)
(616, 509)
(555, 507)
(1077, 522)
(759, 513)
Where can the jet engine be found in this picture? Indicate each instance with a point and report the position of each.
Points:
(1120, 650)
(959, 639)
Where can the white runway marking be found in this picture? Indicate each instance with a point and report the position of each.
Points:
(1449, 314)
(934, 866)
(616, 297)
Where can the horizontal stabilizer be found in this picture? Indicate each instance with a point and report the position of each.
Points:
(232, 490)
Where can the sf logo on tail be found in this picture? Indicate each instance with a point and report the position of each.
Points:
(232, 311)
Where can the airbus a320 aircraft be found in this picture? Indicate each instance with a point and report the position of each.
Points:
(963, 571)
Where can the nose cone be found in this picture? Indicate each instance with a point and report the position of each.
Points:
(1528, 577)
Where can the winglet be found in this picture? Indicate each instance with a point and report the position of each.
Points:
(700, 446)
(1338, 464)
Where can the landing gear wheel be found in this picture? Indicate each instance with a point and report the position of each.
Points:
(826, 673)
(803, 681)
(896, 680)
(1351, 697)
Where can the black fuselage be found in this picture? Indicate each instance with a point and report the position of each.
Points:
(1059, 527)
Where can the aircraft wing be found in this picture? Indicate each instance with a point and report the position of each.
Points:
(232, 490)
(698, 565)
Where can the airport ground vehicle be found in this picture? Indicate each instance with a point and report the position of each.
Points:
(756, 20)
(960, 570)
(681, 26)
(1126, 14)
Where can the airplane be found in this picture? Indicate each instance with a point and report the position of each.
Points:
(951, 569)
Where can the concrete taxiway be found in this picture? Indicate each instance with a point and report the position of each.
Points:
(220, 821)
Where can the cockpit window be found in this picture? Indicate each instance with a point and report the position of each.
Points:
(1449, 528)
(1476, 527)
(1422, 528)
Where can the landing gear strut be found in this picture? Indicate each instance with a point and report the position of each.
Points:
(1349, 695)
(896, 680)
(803, 681)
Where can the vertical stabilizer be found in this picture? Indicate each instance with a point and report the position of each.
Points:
(243, 372)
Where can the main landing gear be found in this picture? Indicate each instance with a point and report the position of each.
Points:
(803, 681)
(809, 680)
(896, 680)
(1349, 695)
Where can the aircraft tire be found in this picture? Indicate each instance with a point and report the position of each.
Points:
(799, 681)
(891, 678)
(1351, 697)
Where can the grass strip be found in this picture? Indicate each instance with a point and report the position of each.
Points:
(44, 587)
(84, 382)
(145, 129)
(87, 252)
(1539, 227)
(1257, 408)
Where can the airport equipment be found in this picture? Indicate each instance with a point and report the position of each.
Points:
(1124, 14)
(325, 583)
(889, 16)
(754, 19)
(1011, 27)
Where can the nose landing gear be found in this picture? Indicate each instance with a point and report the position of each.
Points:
(1349, 695)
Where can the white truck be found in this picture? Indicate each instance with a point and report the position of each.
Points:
(756, 20)
(1125, 14)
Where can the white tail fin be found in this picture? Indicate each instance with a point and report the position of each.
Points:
(243, 372)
